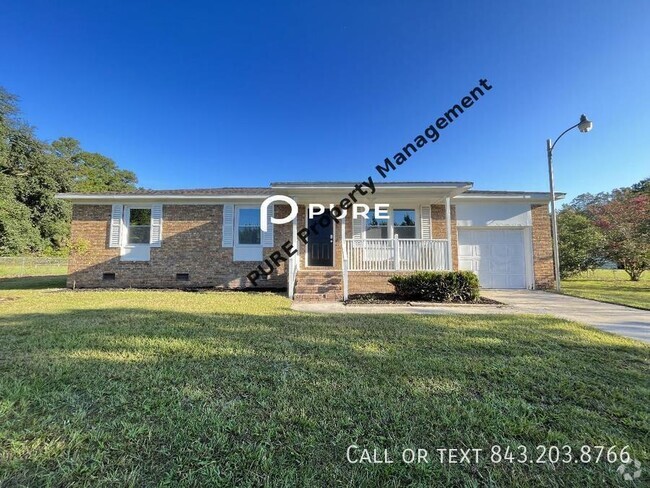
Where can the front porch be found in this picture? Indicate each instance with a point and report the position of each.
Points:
(396, 254)
(419, 235)
(366, 266)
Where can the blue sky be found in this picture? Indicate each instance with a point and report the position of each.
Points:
(191, 94)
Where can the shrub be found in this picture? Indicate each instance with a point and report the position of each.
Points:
(437, 286)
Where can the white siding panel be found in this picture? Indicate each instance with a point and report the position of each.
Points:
(493, 214)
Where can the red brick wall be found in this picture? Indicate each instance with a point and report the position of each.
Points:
(191, 244)
(439, 229)
(542, 247)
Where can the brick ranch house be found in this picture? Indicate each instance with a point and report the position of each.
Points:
(212, 238)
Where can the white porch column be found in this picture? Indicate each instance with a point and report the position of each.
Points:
(345, 265)
(450, 260)
(294, 239)
(342, 234)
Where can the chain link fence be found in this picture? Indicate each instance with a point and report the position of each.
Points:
(32, 266)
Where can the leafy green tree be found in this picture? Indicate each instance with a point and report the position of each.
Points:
(37, 177)
(93, 172)
(581, 243)
(642, 187)
(623, 219)
(33, 172)
(625, 222)
(17, 233)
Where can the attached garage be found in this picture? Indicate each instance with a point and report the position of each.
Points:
(498, 257)
(495, 241)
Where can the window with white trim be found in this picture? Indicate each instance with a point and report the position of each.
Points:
(138, 228)
(248, 226)
(401, 222)
(376, 228)
(404, 223)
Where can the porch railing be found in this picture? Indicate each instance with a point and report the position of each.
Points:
(396, 254)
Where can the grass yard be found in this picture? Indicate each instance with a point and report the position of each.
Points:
(612, 286)
(143, 388)
(31, 272)
(32, 266)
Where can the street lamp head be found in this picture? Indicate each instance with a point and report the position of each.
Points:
(585, 124)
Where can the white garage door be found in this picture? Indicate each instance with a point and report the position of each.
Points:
(496, 256)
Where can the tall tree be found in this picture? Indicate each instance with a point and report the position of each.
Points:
(17, 232)
(581, 243)
(625, 222)
(33, 171)
(93, 172)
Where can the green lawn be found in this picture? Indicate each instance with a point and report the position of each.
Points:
(143, 388)
(612, 286)
(32, 272)
(32, 266)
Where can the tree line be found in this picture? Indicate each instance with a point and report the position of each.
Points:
(32, 171)
(610, 227)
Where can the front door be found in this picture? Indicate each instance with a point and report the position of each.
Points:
(320, 247)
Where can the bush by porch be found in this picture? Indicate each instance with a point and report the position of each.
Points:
(437, 286)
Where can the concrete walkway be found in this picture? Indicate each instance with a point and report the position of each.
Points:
(625, 321)
(424, 308)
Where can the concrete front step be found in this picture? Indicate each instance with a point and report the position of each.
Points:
(329, 296)
(318, 285)
(319, 274)
(302, 288)
(317, 281)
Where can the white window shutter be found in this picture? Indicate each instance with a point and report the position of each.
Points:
(228, 225)
(267, 237)
(357, 231)
(357, 227)
(425, 221)
(115, 239)
(156, 224)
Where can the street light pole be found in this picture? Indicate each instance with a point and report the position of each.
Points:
(556, 243)
(584, 125)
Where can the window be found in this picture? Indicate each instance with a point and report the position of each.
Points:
(376, 228)
(248, 226)
(139, 226)
(404, 223)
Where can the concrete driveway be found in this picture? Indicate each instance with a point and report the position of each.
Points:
(625, 321)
